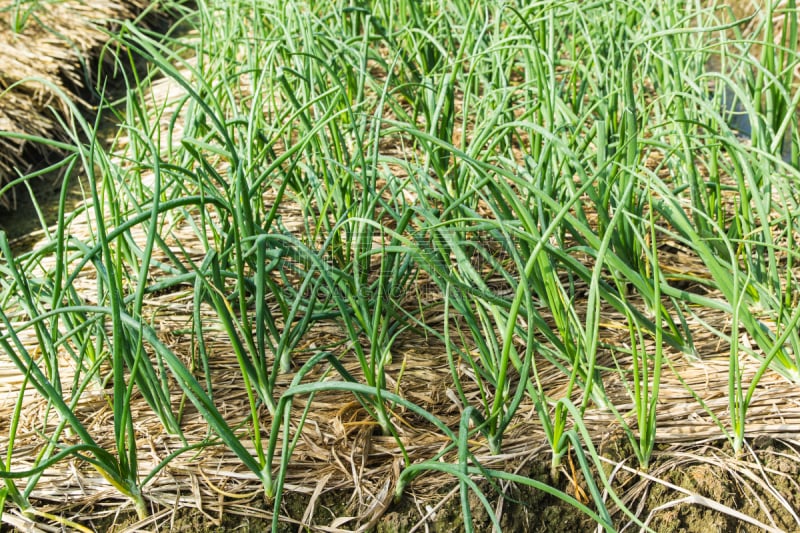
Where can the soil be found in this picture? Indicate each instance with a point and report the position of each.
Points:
(752, 485)
(722, 482)
(523, 509)
(22, 224)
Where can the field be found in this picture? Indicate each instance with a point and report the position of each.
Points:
(405, 265)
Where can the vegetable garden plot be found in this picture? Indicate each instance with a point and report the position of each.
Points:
(384, 272)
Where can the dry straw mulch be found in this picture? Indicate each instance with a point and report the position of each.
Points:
(47, 46)
(340, 447)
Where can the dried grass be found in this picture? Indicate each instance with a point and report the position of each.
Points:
(57, 47)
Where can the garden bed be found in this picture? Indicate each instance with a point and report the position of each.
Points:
(348, 267)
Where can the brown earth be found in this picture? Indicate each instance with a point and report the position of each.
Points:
(707, 472)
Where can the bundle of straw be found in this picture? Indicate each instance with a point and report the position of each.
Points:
(47, 48)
